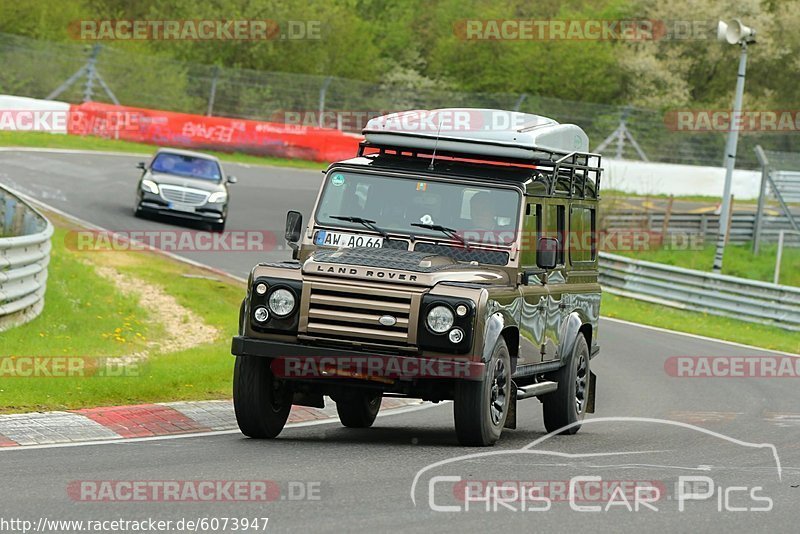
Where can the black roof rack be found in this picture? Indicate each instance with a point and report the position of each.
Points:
(575, 175)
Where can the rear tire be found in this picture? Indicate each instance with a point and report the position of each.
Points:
(360, 410)
(261, 403)
(481, 408)
(567, 404)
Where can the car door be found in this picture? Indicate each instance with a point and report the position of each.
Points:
(534, 292)
(554, 225)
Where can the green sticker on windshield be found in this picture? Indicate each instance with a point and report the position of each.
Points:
(337, 179)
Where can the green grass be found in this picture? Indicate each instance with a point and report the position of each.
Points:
(700, 323)
(738, 261)
(610, 193)
(84, 315)
(47, 140)
(81, 317)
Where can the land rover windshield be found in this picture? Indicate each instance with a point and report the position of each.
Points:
(421, 207)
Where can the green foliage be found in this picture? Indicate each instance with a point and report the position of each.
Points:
(368, 39)
(386, 55)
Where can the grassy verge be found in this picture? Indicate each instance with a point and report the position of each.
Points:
(739, 261)
(706, 199)
(700, 323)
(85, 316)
(74, 142)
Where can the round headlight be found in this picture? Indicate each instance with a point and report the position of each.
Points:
(261, 314)
(281, 302)
(440, 319)
(456, 335)
(461, 310)
(261, 289)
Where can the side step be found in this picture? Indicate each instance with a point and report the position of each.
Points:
(535, 390)
(525, 393)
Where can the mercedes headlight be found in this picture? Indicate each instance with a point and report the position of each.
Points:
(440, 319)
(150, 186)
(281, 302)
(219, 196)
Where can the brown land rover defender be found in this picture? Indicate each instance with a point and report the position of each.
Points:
(453, 264)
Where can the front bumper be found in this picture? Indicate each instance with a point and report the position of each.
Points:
(201, 213)
(390, 366)
(208, 212)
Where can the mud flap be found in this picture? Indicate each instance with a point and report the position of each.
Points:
(511, 418)
(592, 386)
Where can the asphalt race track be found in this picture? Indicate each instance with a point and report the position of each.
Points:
(361, 480)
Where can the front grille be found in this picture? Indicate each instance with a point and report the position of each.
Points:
(353, 313)
(184, 195)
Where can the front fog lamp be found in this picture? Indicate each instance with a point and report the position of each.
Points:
(440, 319)
(261, 314)
(281, 302)
(456, 335)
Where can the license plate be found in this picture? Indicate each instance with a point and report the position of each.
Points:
(325, 238)
(181, 207)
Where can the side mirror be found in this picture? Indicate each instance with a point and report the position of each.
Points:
(547, 253)
(140, 165)
(294, 227)
(232, 179)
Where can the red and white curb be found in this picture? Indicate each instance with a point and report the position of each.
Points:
(142, 421)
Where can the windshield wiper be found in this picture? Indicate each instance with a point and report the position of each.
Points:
(365, 222)
(449, 232)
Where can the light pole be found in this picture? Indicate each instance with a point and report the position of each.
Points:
(735, 33)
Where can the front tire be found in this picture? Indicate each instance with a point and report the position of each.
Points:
(218, 227)
(261, 402)
(481, 408)
(567, 404)
(360, 410)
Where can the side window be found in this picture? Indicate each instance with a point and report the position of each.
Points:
(582, 242)
(530, 234)
(556, 227)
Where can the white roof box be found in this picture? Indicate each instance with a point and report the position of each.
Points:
(487, 132)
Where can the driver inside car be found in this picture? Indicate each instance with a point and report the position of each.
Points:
(482, 212)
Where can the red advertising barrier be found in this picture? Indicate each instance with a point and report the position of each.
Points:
(166, 128)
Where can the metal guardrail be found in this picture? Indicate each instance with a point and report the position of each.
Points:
(687, 289)
(702, 224)
(24, 255)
